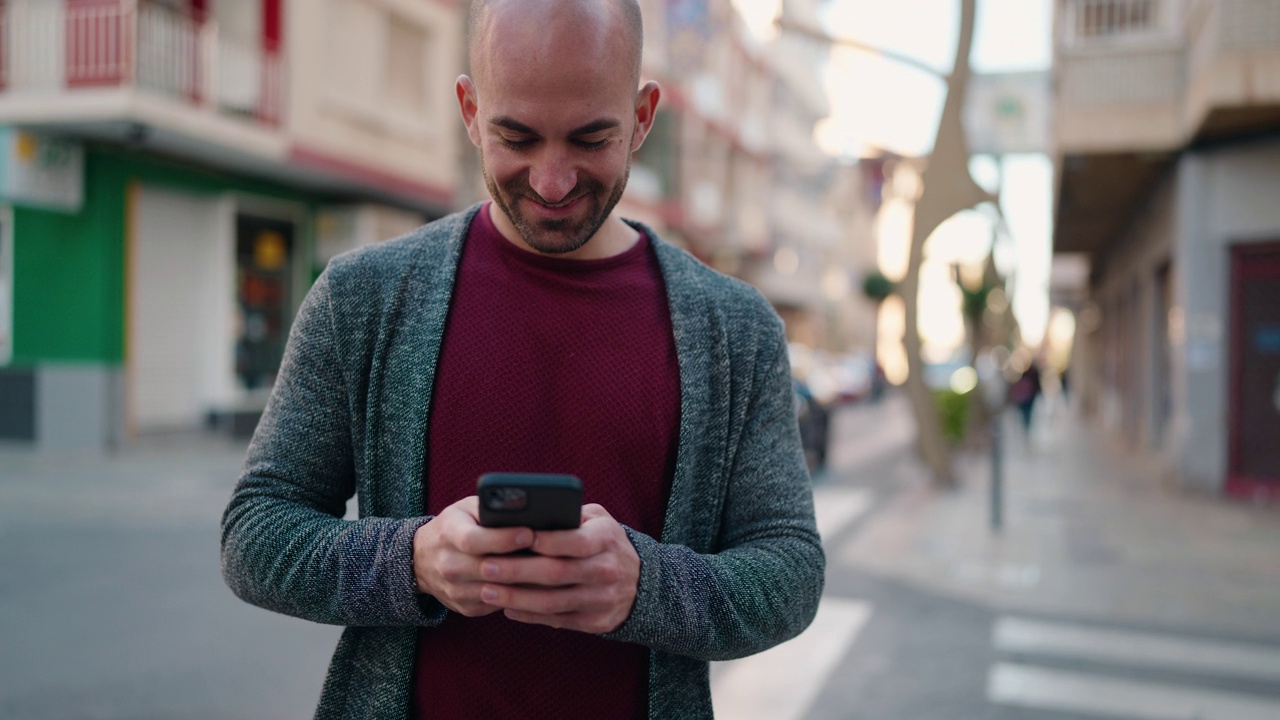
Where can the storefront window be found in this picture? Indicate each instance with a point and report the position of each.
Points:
(264, 259)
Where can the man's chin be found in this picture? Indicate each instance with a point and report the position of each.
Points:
(553, 242)
(554, 236)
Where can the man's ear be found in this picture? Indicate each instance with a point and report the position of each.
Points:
(646, 108)
(466, 91)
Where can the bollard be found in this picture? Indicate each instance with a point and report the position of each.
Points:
(997, 476)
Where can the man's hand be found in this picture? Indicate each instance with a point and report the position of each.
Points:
(448, 551)
(582, 579)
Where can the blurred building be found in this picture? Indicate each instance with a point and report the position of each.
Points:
(176, 172)
(732, 170)
(1167, 145)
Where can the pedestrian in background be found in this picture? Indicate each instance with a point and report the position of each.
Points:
(1024, 394)
(538, 332)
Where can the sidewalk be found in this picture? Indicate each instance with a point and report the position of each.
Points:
(1088, 533)
(160, 481)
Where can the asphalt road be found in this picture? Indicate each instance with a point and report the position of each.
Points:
(112, 606)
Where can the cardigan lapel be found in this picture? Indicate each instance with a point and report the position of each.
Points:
(693, 509)
(404, 367)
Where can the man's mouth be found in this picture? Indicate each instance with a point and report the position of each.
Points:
(556, 205)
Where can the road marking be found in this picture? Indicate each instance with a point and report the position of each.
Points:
(837, 507)
(781, 683)
(1012, 634)
(1032, 687)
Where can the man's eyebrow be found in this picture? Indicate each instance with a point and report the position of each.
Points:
(595, 126)
(512, 124)
(590, 128)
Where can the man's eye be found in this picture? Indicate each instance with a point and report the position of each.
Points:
(592, 144)
(517, 143)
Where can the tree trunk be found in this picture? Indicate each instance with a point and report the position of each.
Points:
(948, 189)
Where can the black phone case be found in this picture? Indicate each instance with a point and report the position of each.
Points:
(552, 502)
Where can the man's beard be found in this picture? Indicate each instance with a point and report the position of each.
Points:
(556, 237)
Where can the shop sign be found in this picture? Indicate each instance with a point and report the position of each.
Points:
(40, 170)
(1007, 113)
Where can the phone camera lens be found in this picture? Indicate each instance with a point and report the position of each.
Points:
(506, 499)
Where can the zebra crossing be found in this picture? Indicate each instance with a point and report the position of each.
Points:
(782, 683)
(1031, 679)
(1040, 668)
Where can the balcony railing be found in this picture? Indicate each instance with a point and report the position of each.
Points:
(54, 46)
(1086, 23)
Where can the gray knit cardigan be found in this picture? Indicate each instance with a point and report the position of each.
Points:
(739, 566)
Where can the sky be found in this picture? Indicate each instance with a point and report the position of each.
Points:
(878, 103)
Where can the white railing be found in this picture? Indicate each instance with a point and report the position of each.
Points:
(34, 45)
(1087, 23)
(53, 46)
(169, 49)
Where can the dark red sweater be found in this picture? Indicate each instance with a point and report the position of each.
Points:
(548, 365)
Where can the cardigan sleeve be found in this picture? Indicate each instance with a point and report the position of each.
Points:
(762, 585)
(285, 544)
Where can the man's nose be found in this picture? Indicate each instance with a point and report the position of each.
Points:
(553, 176)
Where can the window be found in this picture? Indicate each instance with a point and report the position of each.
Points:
(406, 65)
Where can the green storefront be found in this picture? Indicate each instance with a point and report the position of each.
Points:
(159, 301)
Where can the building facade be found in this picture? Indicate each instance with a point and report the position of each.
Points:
(177, 172)
(1167, 135)
(732, 169)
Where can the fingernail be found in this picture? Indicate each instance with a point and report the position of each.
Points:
(488, 594)
(489, 570)
(524, 538)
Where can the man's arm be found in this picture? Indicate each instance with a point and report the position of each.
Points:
(763, 584)
(285, 546)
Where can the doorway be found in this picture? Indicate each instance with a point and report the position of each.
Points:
(1254, 449)
(265, 251)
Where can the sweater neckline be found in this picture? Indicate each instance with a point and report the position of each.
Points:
(556, 263)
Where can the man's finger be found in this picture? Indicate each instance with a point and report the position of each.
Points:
(595, 623)
(549, 571)
(589, 539)
(466, 534)
(476, 540)
(547, 601)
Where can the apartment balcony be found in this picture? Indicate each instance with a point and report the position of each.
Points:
(1120, 75)
(1233, 68)
(141, 73)
(1139, 80)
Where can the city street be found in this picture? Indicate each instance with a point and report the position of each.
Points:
(1103, 596)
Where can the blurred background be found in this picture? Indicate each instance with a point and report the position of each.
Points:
(1032, 299)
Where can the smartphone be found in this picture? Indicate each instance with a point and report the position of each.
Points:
(534, 500)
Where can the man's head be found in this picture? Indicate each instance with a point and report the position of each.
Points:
(553, 105)
(626, 11)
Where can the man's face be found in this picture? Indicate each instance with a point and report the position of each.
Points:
(556, 123)
(559, 226)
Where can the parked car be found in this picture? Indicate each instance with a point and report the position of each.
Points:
(814, 418)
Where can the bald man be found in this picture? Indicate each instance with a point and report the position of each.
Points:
(538, 332)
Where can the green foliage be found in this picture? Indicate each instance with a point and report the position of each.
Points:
(876, 286)
(953, 411)
(975, 301)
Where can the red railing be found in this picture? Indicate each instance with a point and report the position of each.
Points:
(99, 42)
(74, 44)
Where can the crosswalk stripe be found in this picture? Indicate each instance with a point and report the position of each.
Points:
(1034, 687)
(836, 507)
(1012, 634)
(781, 683)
